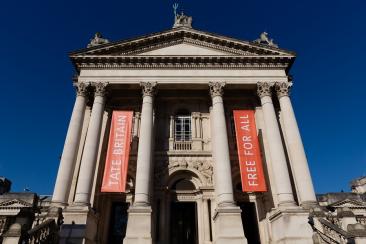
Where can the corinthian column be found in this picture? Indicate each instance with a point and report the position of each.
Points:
(144, 154)
(298, 161)
(220, 147)
(88, 161)
(227, 218)
(276, 150)
(71, 146)
(139, 215)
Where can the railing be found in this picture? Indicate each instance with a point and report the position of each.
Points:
(3, 226)
(334, 220)
(330, 233)
(182, 145)
(44, 233)
(361, 219)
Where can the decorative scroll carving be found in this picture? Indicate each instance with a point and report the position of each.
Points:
(81, 89)
(100, 88)
(148, 88)
(264, 89)
(97, 40)
(216, 88)
(202, 167)
(283, 89)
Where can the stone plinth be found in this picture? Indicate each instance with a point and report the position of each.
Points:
(228, 226)
(290, 226)
(139, 226)
(80, 226)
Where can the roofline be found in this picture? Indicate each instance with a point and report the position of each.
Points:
(101, 46)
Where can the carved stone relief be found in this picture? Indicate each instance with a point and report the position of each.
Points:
(199, 166)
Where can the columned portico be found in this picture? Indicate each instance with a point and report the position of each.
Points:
(185, 159)
(227, 217)
(298, 161)
(276, 150)
(68, 158)
(139, 223)
(88, 161)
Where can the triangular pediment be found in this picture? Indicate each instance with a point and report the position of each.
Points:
(182, 42)
(185, 49)
(349, 203)
(15, 203)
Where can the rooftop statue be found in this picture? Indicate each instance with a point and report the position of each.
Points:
(97, 40)
(263, 39)
(181, 20)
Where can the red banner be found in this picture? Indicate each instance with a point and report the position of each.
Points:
(251, 169)
(116, 165)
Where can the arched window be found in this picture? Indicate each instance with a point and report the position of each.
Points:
(183, 129)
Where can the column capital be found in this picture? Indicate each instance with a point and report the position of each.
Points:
(148, 88)
(100, 88)
(137, 115)
(283, 89)
(216, 88)
(264, 89)
(81, 89)
(196, 114)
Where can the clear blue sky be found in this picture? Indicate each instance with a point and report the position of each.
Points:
(37, 94)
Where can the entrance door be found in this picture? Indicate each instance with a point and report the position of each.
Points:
(250, 222)
(118, 223)
(183, 223)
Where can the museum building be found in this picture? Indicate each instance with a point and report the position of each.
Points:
(183, 136)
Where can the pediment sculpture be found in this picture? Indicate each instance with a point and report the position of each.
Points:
(97, 40)
(264, 39)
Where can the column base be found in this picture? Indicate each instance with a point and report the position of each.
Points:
(138, 225)
(80, 225)
(290, 226)
(309, 204)
(228, 226)
(55, 204)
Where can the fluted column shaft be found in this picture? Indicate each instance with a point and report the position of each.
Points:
(298, 161)
(145, 154)
(71, 146)
(220, 147)
(276, 150)
(88, 161)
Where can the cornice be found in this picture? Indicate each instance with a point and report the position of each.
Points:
(182, 62)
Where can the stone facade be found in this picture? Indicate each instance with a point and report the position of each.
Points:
(25, 217)
(183, 78)
(341, 216)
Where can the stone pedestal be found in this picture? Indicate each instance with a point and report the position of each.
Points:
(290, 226)
(228, 226)
(139, 226)
(13, 235)
(80, 226)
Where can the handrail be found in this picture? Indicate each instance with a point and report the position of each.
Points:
(46, 232)
(329, 232)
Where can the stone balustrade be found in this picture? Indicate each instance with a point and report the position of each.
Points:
(46, 232)
(182, 146)
(331, 229)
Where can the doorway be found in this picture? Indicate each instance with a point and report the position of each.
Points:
(118, 222)
(183, 223)
(250, 222)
